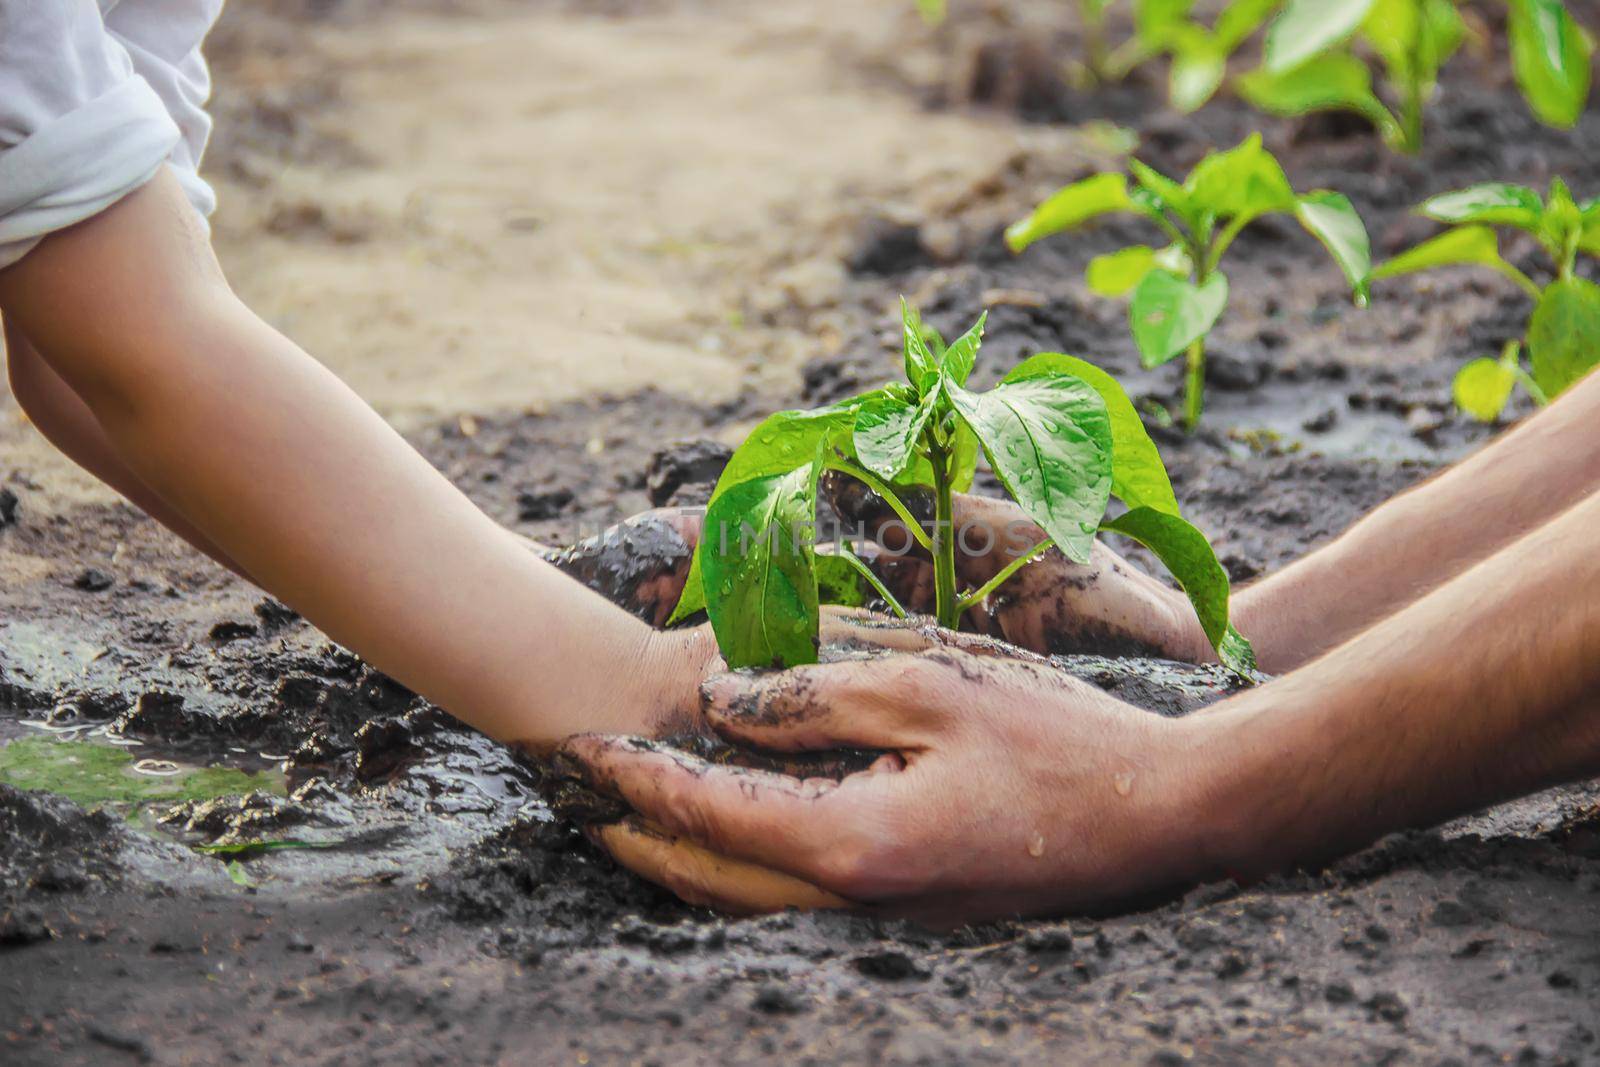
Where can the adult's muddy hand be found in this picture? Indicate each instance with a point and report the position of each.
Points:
(1051, 605)
(1004, 790)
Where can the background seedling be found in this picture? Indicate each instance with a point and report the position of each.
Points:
(1199, 53)
(1178, 292)
(1563, 335)
(1059, 433)
(1316, 60)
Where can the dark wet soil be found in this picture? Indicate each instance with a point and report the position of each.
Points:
(454, 917)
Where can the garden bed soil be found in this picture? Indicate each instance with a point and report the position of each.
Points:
(454, 917)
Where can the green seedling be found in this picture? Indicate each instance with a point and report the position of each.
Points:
(1059, 434)
(1199, 52)
(1316, 60)
(1562, 339)
(1552, 58)
(1177, 293)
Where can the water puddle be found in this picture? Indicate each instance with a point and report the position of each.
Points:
(97, 770)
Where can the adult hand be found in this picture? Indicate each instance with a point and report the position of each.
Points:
(1006, 789)
(1051, 605)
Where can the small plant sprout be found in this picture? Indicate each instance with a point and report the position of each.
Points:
(1059, 434)
(1562, 340)
(1199, 52)
(1552, 57)
(1179, 292)
(1316, 60)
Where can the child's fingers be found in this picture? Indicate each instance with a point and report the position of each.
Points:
(700, 876)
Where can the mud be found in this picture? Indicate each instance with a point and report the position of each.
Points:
(447, 912)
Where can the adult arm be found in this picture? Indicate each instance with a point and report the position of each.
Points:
(1427, 535)
(1403, 549)
(1010, 789)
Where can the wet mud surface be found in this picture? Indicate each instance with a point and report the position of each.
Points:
(449, 913)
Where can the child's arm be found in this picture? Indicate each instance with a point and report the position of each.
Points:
(66, 422)
(287, 472)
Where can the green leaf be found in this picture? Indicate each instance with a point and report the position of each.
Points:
(1168, 314)
(1561, 225)
(1185, 552)
(1156, 21)
(1308, 28)
(1414, 38)
(238, 876)
(1492, 203)
(1166, 193)
(1196, 76)
(838, 582)
(1138, 476)
(1071, 207)
(886, 432)
(1240, 20)
(932, 11)
(962, 353)
(922, 369)
(782, 442)
(757, 558)
(1334, 82)
(1483, 387)
(1333, 220)
(867, 584)
(1550, 54)
(1118, 272)
(1245, 180)
(1476, 245)
(963, 458)
(1564, 334)
(1237, 655)
(1049, 442)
